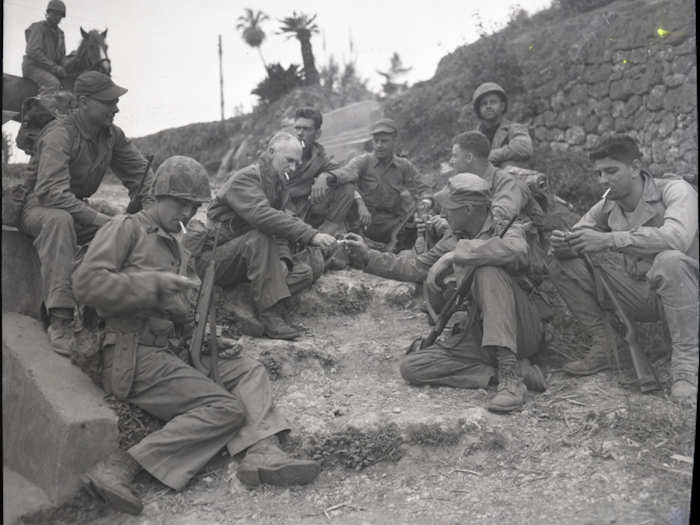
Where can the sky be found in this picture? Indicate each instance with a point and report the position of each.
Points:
(165, 52)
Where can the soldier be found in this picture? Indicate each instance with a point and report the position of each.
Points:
(510, 141)
(314, 200)
(511, 329)
(647, 232)
(45, 56)
(257, 233)
(132, 274)
(388, 184)
(71, 159)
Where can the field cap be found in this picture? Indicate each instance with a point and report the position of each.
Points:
(97, 85)
(461, 189)
(385, 125)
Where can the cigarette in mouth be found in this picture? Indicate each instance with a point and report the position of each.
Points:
(605, 195)
(182, 227)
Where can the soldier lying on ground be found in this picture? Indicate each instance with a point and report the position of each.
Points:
(647, 231)
(257, 232)
(320, 205)
(132, 274)
(71, 159)
(496, 349)
(45, 56)
(388, 185)
(510, 142)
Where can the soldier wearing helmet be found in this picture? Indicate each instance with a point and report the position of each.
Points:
(510, 142)
(72, 157)
(134, 274)
(45, 55)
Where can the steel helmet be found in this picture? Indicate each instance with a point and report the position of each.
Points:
(183, 178)
(56, 5)
(483, 89)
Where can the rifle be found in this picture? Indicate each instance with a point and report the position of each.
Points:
(454, 301)
(206, 312)
(397, 229)
(135, 204)
(647, 379)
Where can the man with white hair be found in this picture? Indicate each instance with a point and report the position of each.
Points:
(256, 232)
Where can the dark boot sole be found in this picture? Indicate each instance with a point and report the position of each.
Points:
(297, 473)
(504, 409)
(589, 372)
(111, 497)
(286, 337)
(248, 477)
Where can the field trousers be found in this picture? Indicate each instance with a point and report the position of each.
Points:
(330, 215)
(46, 80)
(201, 416)
(468, 360)
(669, 292)
(56, 238)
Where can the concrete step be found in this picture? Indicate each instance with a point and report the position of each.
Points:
(56, 424)
(21, 274)
(20, 497)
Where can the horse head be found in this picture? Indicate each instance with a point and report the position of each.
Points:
(92, 52)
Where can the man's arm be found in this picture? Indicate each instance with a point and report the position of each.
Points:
(407, 266)
(509, 197)
(519, 145)
(129, 166)
(510, 250)
(35, 48)
(351, 171)
(242, 192)
(52, 188)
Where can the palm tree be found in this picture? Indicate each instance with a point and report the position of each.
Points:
(253, 35)
(302, 27)
(396, 69)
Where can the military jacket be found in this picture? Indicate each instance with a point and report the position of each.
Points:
(511, 143)
(46, 47)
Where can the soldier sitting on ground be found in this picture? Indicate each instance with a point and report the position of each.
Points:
(494, 350)
(510, 142)
(72, 157)
(132, 273)
(646, 231)
(388, 185)
(314, 200)
(257, 233)
(45, 56)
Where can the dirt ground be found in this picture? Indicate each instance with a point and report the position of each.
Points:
(587, 451)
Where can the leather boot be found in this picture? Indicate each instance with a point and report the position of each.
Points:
(110, 480)
(683, 329)
(265, 462)
(532, 376)
(60, 331)
(275, 325)
(599, 356)
(241, 307)
(511, 390)
(684, 391)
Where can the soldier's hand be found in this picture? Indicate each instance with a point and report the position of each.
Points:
(365, 215)
(421, 225)
(319, 190)
(172, 283)
(325, 241)
(435, 279)
(558, 240)
(358, 252)
(438, 224)
(588, 240)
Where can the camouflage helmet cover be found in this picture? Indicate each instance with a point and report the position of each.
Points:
(183, 178)
(483, 89)
(56, 5)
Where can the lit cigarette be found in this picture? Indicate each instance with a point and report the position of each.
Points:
(605, 195)
(182, 227)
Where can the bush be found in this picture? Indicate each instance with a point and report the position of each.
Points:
(279, 82)
(582, 6)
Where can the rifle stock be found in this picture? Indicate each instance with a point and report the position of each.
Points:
(206, 313)
(643, 369)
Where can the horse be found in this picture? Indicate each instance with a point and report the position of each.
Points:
(91, 55)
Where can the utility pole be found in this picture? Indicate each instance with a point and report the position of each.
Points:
(221, 81)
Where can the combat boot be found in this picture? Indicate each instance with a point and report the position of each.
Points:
(684, 388)
(110, 480)
(598, 357)
(275, 325)
(510, 394)
(265, 462)
(60, 331)
(240, 305)
(532, 376)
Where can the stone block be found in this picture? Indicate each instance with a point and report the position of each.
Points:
(558, 101)
(620, 125)
(559, 147)
(591, 124)
(632, 105)
(56, 424)
(21, 274)
(602, 107)
(597, 73)
(683, 63)
(655, 99)
(550, 117)
(578, 94)
(658, 153)
(591, 140)
(599, 89)
(575, 135)
(639, 55)
(681, 99)
(674, 80)
(555, 134)
(540, 133)
(667, 125)
(605, 124)
(617, 109)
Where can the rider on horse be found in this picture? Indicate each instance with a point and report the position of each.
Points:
(45, 56)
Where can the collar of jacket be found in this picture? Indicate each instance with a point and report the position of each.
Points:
(151, 225)
(645, 209)
(489, 174)
(377, 161)
(82, 126)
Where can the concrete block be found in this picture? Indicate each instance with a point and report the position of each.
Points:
(21, 274)
(20, 497)
(56, 423)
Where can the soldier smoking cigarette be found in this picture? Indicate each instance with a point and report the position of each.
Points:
(182, 227)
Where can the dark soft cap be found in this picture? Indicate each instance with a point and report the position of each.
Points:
(98, 86)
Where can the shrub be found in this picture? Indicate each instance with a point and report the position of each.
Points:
(279, 82)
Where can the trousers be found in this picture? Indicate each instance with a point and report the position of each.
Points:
(45, 80)
(56, 238)
(669, 292)
(201, 416)
(467, 360)
(329, 216)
